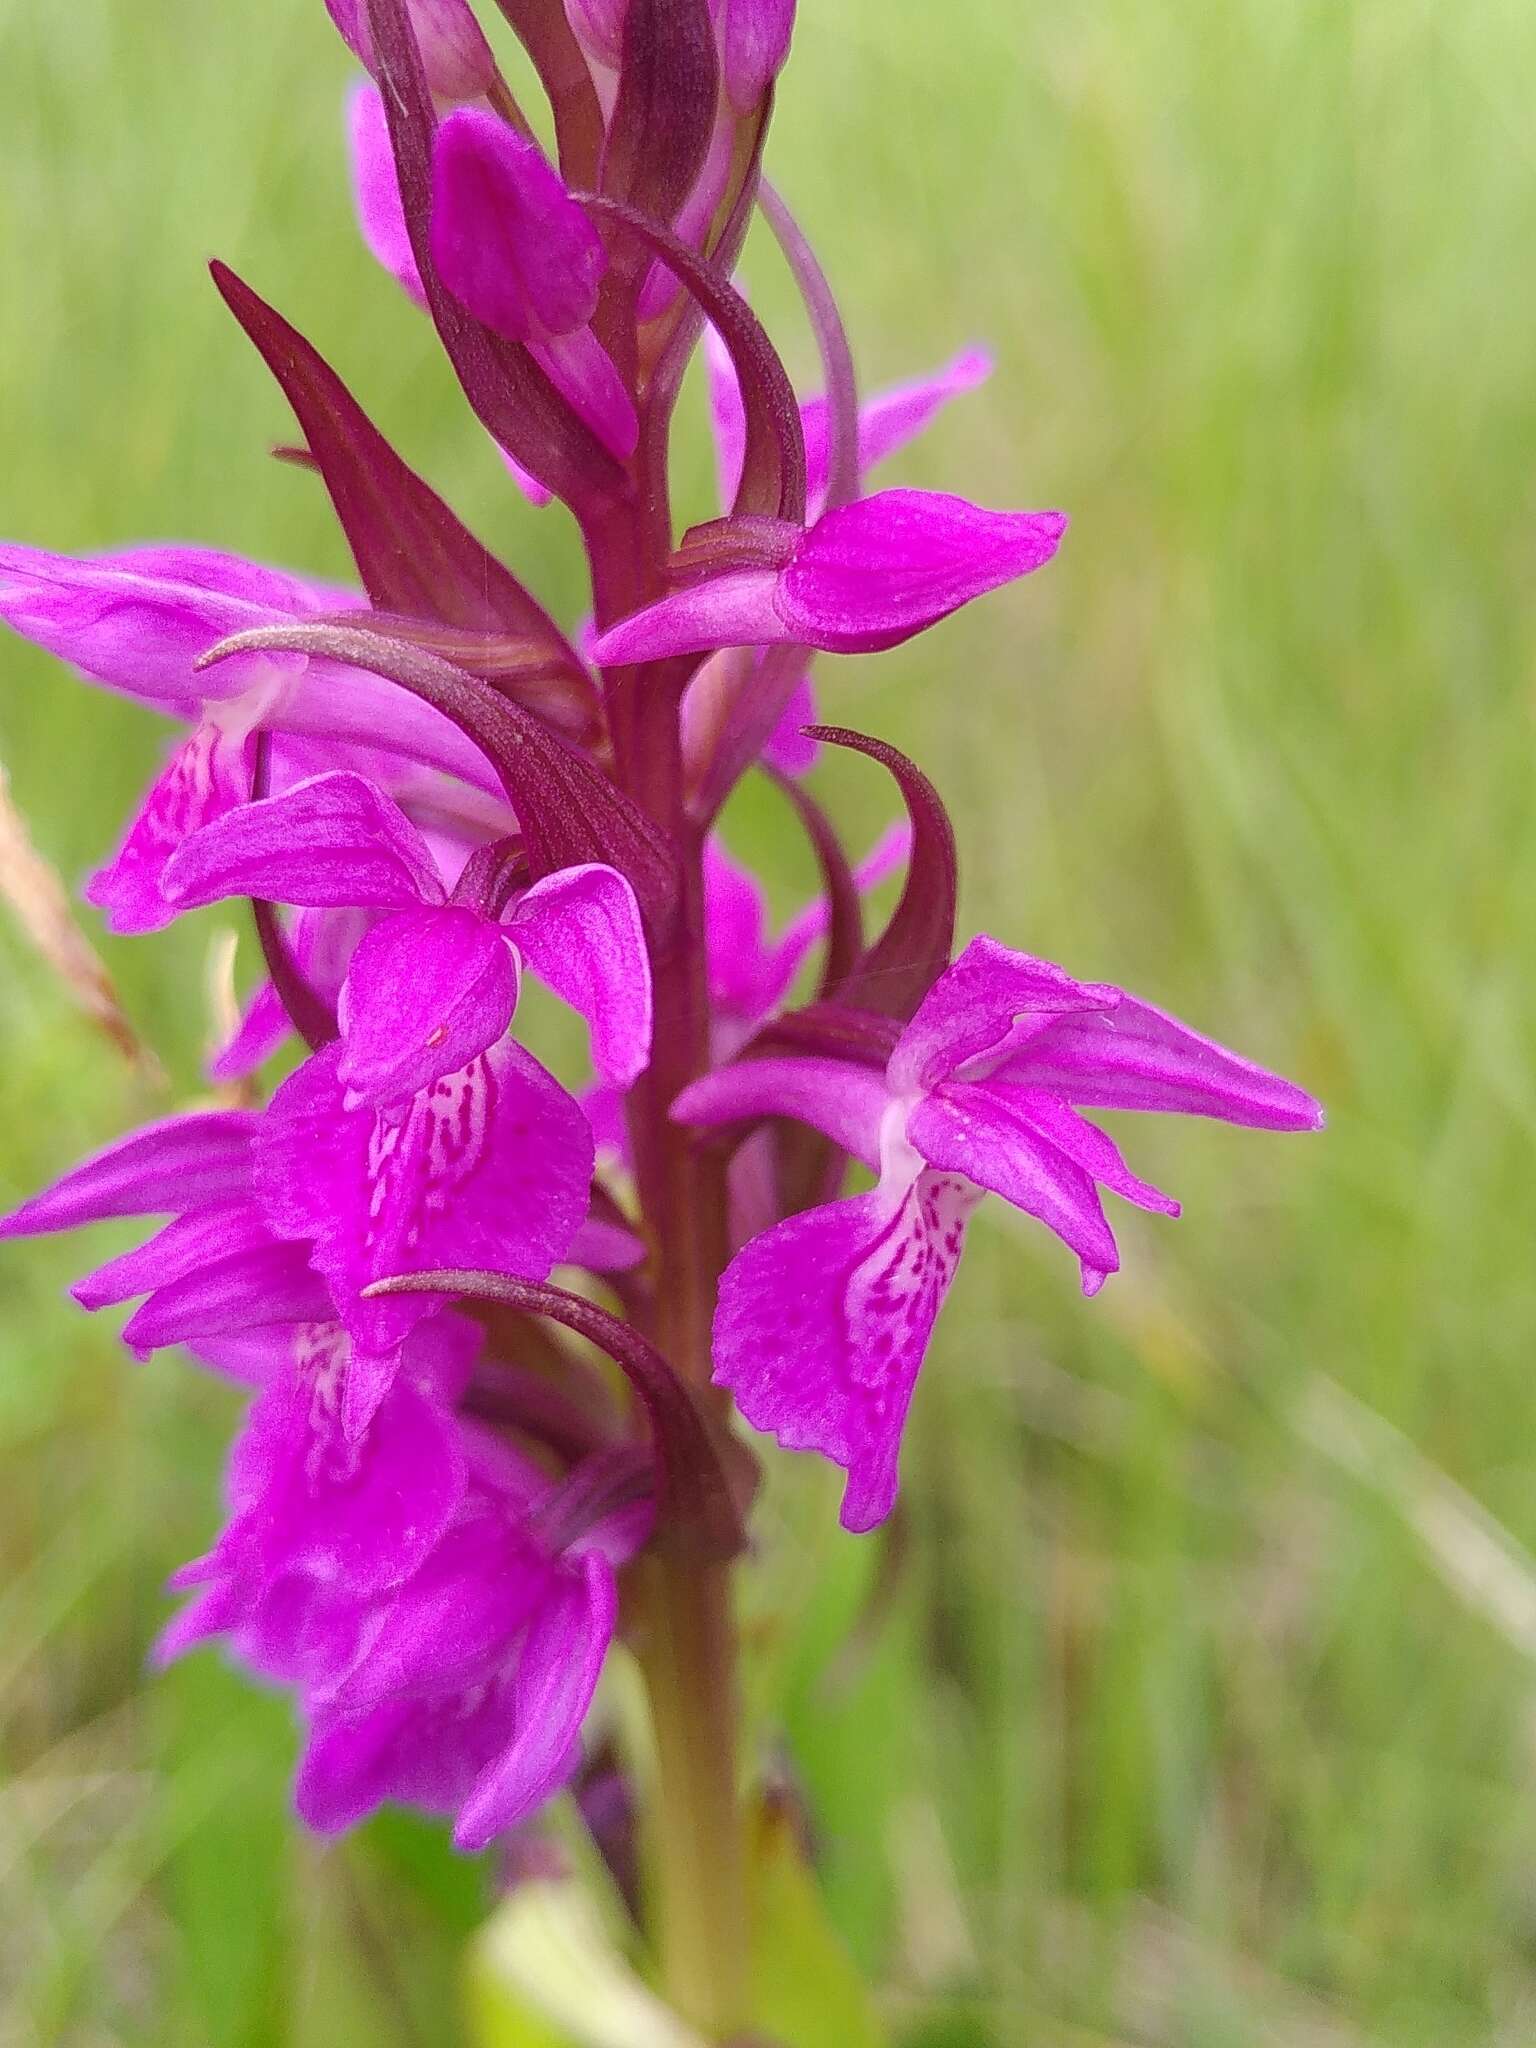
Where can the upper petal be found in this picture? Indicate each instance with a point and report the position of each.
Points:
(428, 991)
(844, 1101)
(332, 701)
(1138, 1057)
(269, 1283)
(580, 931)
(975, 1005)
(1072, 1135)
(735, 610)
(335, 840)
(138, 619)
(873, 573)
(890, 419)
(209, 1231)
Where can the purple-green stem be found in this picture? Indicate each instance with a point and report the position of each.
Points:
(686, 1623)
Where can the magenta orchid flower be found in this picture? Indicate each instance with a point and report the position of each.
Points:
(887, 422)
(364, 1549)
(478, 1675)
(434, 983)
(444, 1608)
(824, 1320)
(863, 578)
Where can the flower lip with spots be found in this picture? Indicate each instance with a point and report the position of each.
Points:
(823, 1320)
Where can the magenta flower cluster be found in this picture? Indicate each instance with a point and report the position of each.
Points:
(428, 788)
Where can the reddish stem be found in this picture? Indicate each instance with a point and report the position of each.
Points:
(687, 1627)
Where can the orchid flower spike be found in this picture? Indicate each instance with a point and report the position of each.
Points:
(823, 1320)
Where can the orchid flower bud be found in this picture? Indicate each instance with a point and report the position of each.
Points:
(754, 44)
(598, 25)
(512, 245)
(430, 798)
(507, 238)
(454, 53)
(860, 579)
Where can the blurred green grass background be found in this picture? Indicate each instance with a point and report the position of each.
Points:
(1202, 1709)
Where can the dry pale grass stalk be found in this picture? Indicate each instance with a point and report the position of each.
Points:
(41, 902)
